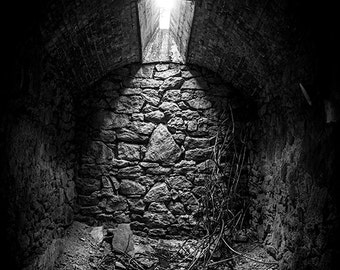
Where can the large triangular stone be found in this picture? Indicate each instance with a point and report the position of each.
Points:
(162, 147)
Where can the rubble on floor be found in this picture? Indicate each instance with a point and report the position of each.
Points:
(89, 248)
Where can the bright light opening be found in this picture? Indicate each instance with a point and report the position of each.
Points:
(165, 7)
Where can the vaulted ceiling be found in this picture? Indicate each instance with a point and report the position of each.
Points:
(249, 43)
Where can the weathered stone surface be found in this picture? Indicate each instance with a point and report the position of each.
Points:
(147, 180)
(129, 151)
(136, 205)
(130, 91)
(151, 96)
(120, 163)
(190, 201)
(149, 108)
(122, 240)
(158, 193)
(142, 127)
(206, 166)
(199, 103)
(168, 73)
(130, 172)
(127, 135)
(137, 117)
(179, 182)
(177, 208)
(159, 219)
(195, 83)
(149, 165)
(128, 104)
(192, 125)
(185, 166)
(120, 217)
(155, 116)
(157, 207)
(179, 137)
(192, 143)
(172, 83)
(116, 203)
(97, 234)
(162, 67)
(159, 170)
(142, 83)
(176, 123)
(172, 95)
(169, 108)
(128, 187)
(162, 147)
(199, 154)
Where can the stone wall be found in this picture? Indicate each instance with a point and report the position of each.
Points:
(148, 13)
(37, 170)
(294, 182)
(147, 135)
(90, 38)
(180, 24)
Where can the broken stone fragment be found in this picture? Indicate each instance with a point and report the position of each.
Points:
(162, 147)
(158, 193)
(122, 240)
(97, 234)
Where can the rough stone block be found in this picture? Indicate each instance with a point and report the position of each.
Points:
(128, 187)
(158, 193)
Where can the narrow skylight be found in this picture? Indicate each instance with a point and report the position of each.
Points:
(165, 7)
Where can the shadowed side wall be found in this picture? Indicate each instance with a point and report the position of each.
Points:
(180, 24)
(148, 20)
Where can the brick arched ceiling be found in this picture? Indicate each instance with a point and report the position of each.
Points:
(248, 42)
